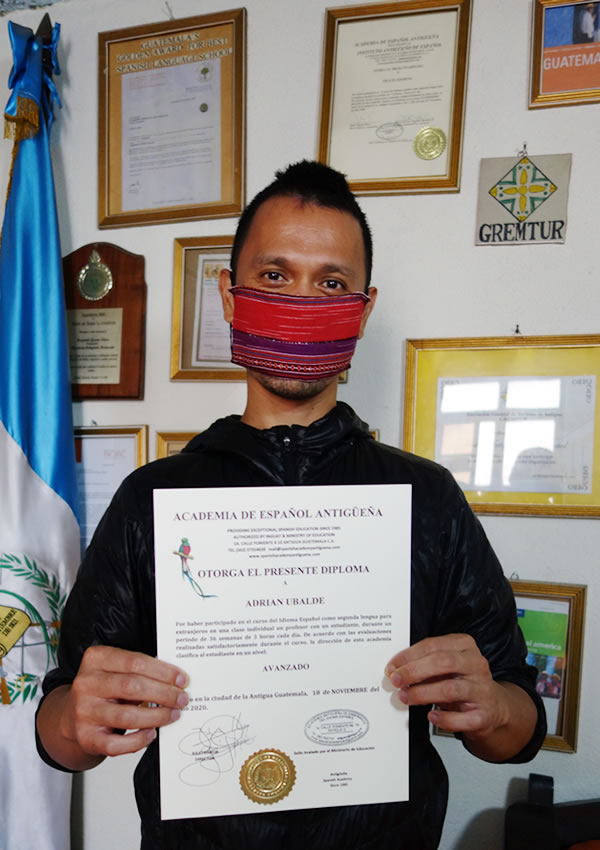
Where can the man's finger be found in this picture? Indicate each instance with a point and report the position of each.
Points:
(454, 642)
(131, 688)
(112, 715)
(112, 659)
(108, 744)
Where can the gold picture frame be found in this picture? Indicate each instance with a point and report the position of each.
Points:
(170, 443)
(564, 54)
(373, 127)
(171, 128)
(552, 615)
(516, 419)
(104, 456)
(200, 346)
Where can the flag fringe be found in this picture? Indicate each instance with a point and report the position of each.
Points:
(26, 123)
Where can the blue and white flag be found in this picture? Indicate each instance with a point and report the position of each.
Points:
(39, 533)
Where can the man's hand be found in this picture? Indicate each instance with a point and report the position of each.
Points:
(111, 691)
(496, 718)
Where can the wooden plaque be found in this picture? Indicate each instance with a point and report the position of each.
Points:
(105, 295)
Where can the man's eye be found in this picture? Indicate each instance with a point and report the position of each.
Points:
(333, 285)
(276, 276)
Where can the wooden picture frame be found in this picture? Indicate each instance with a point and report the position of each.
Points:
(551, 617)
(375, 128)
(170, 443)
(565, 54)
(104, 456)
(200, 336)
(171, 128)
(516, 419)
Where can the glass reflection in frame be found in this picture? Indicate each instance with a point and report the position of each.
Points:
(519, 434)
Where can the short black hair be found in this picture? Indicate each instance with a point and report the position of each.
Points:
(312, 183)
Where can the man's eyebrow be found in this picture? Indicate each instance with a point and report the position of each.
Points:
(338, 268)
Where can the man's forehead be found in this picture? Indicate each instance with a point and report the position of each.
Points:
(281, 213)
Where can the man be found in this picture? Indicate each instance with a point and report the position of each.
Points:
(302, 250)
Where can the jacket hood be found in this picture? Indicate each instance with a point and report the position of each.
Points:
(272, 449)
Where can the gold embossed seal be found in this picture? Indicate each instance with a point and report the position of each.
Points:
(430, 142)
(267, 776)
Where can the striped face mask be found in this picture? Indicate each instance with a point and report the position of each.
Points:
(295, 336)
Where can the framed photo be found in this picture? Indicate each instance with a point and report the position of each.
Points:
(200, 336)
(393, 95)
(172, 120)
(172, 442)
(104, 456)
(551, 617)
(515, 419)
(565, 53)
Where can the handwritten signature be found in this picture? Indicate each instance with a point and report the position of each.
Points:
(213, 747)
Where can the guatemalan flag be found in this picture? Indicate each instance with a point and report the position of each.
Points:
(39, 533)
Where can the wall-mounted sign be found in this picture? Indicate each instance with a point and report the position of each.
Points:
(523, 200)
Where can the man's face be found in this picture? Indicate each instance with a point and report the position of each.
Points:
(300, 249)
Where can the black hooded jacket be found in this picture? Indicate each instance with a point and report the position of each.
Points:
(457, 586)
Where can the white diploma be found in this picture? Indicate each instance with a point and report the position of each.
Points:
(283, 604)
(171, 136)
(521, 434)
(393, 78)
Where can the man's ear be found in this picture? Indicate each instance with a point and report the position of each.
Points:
(372, 293)
(226, 296)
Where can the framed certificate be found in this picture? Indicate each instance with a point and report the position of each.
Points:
(394, 94)
(104, 456)
(551, 617)
(200, 339)
(565, 53)
(172, 120)
(515, 419)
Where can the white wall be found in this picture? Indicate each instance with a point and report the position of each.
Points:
(433, 282)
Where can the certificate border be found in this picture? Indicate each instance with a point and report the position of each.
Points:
(421, 393)
(574, 595)
(400, 185)
(172, 442)
(108, 164)
(561, 98)
(186, 254)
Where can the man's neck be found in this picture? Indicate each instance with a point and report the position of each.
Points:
(265, 409)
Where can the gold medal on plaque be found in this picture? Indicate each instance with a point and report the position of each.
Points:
(267, 776)
(94, 280)
(430, 142)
